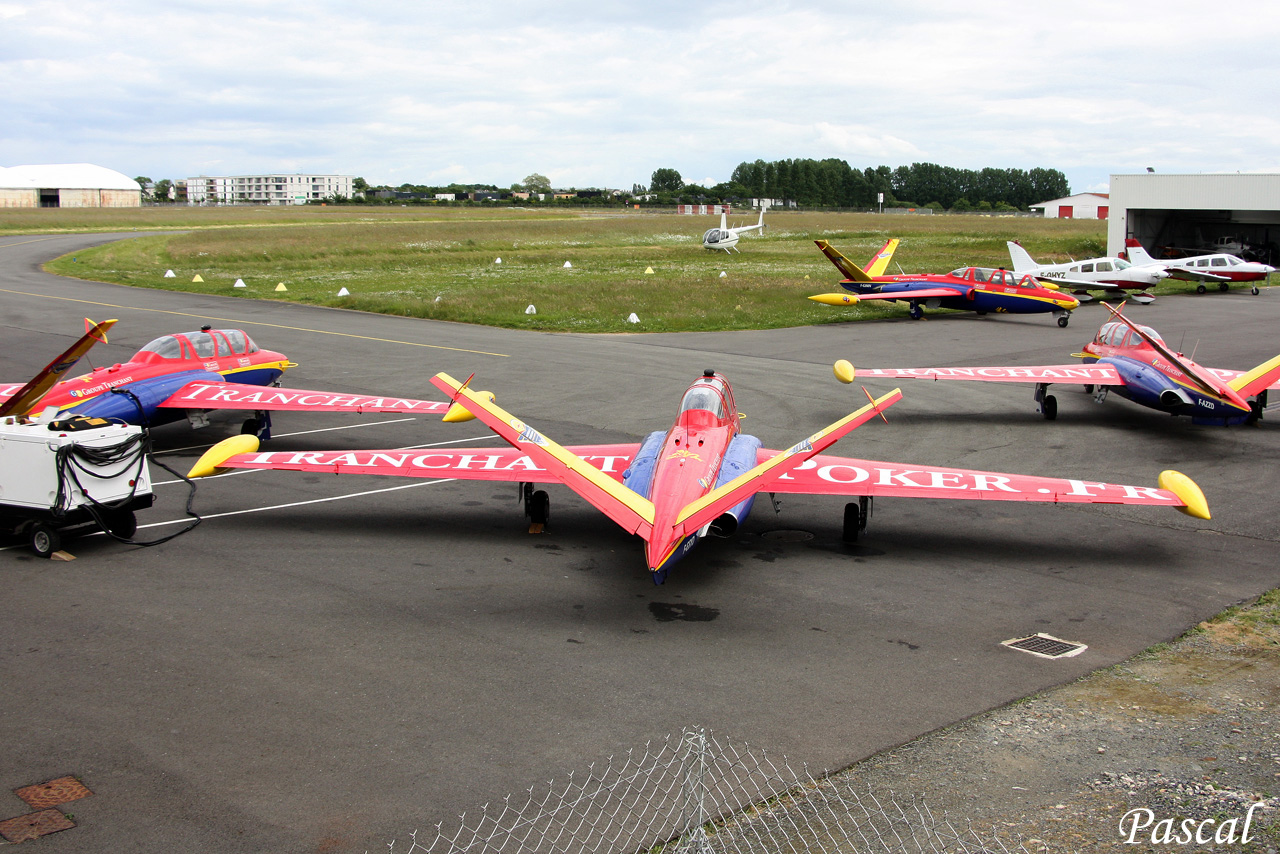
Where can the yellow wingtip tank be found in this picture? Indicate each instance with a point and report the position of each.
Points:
(835, 299)
(210, 461)
(1187, 491)
(459, 413)
(844, 371)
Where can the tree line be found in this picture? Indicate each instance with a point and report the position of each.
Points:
(833, 182)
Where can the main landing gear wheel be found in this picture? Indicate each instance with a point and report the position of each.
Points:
(1063, 321)
(1049, 407)
(538, 509)
(1201, 289)
(915, 312)
(1224, 286)
(856, 515)
(44, 539)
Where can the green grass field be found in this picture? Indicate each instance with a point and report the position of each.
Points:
(442, 262)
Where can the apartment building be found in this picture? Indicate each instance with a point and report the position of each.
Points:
(267, 189)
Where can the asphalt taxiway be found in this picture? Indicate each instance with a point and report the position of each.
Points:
(329, 662)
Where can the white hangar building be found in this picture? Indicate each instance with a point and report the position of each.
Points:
(1079, 206)
(67, 185)
(1192, 214)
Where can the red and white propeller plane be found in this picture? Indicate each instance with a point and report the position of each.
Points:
(1219, 268)
(1112, 275)
(699, 477)
(1135, 363)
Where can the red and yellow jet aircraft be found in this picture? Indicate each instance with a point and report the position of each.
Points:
(699, 477)
(186, 375)
(1135, 363)
(978, 289)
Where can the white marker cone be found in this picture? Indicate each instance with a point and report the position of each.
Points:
(239, 284)
(168, 274)
(344, 293)
(723, 274)
(497, 261)
(633, 318)
(530, 310)
(567, 265)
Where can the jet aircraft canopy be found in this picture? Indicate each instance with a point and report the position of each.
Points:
(994, 276)
(1117, 334)
(205, 344)
(709, 394)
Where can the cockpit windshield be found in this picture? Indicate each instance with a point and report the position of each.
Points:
(712, 236)
(218, 343)
(707, 395)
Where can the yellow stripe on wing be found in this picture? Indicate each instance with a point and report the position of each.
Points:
(528, 439)
(737, 489)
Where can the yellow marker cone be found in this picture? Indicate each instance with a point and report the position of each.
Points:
(197, 278)
(281, 287)
(806, 277)
(648, 271)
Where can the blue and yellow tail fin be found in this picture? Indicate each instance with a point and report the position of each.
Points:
(850, 270)
(880, 260)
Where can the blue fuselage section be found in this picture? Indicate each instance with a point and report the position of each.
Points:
(965, 299)
(1148, 386)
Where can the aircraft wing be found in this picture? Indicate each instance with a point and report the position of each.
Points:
(23, 399)
(630, 510)
(1251, 382)
(827, 475)
(768, 471)
(918, 293)
(1188, 274)
(498, 464)
(1094, 374)
(202, 394)
(1083, 284)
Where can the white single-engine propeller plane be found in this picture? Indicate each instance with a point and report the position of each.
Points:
(1113, 275)
(699, 477)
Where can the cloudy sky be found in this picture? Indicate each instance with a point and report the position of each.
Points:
(599, 94)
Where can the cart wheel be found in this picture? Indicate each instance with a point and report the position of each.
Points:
(44, 539)
(121, 523)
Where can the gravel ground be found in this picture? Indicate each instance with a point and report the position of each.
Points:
(1187, 731)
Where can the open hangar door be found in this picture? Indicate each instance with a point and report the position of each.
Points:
(1252, 235)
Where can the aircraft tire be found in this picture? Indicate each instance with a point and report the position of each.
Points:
(1088, 389)
(539, 508)
(1063, 321)
(852, 522)
(915, 312)
(250, 427)
(1254, 290)
(1049, 407)
(1200, 289)
(1224, 286)
(44, 539)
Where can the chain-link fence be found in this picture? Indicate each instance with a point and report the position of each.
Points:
(697, 793)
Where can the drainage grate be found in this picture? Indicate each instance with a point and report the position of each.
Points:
(1046, 646)
(51, 794)
(34, 825)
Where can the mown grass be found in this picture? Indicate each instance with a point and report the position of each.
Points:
(442, 263)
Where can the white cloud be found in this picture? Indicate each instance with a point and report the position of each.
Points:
(602, 94)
